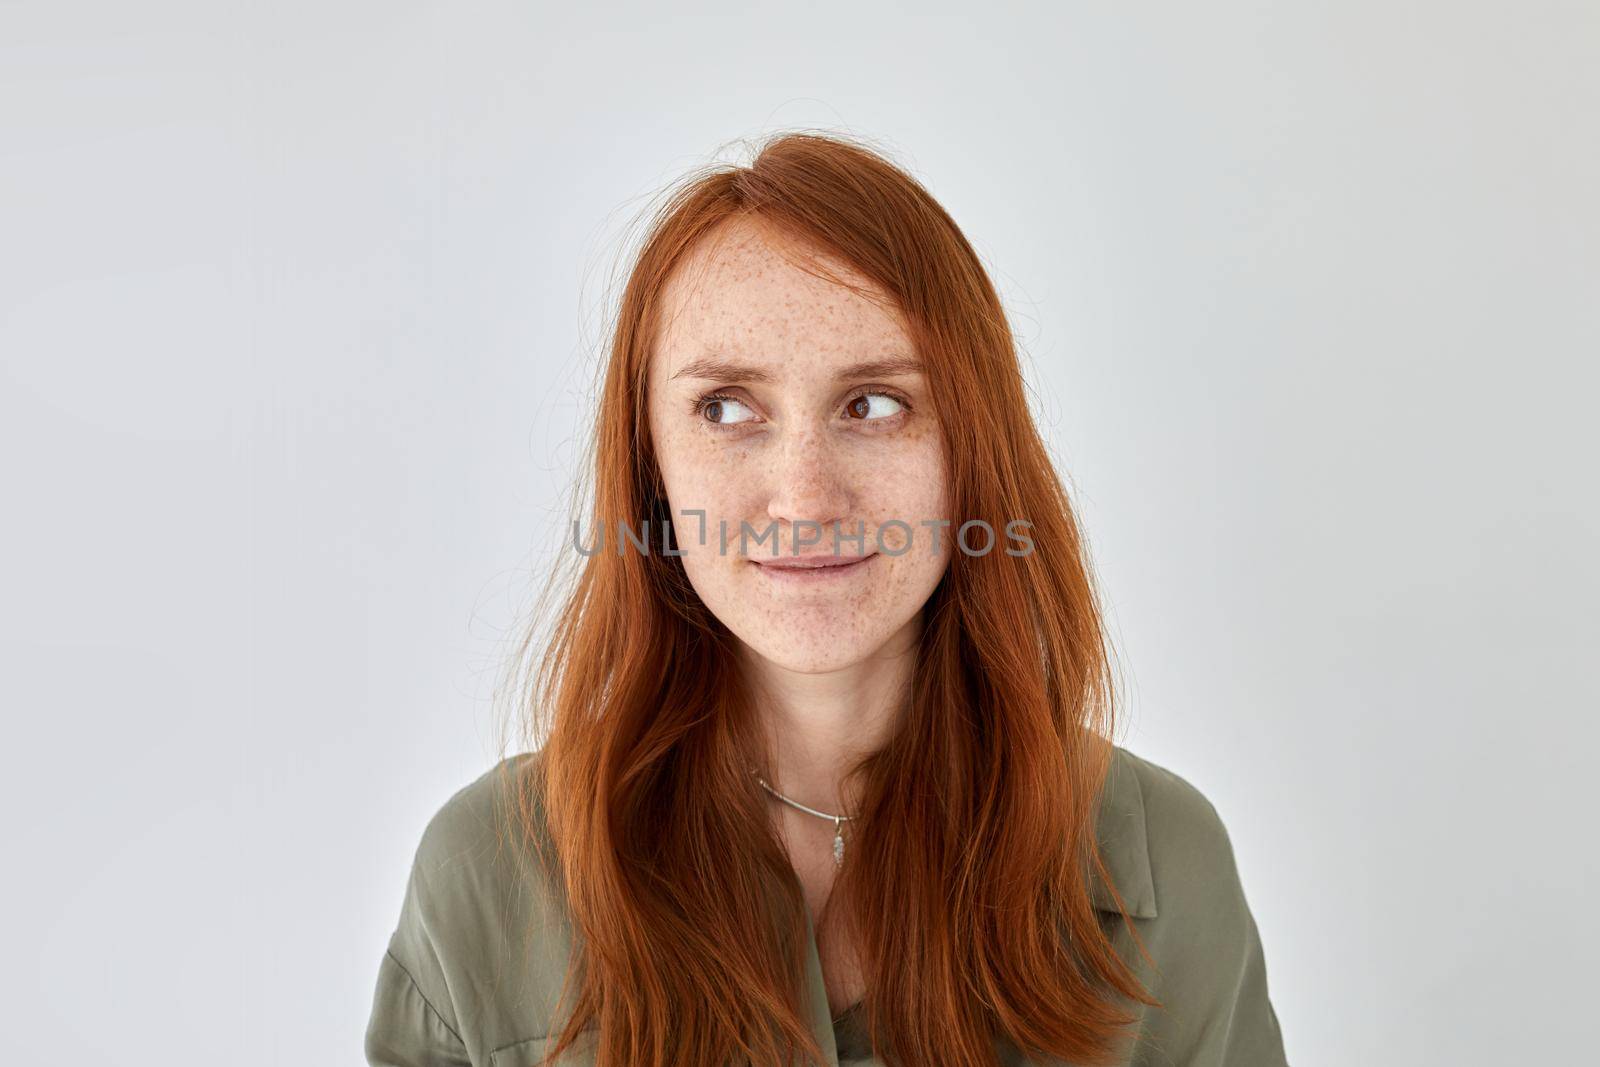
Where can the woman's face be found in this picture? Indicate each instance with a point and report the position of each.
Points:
(782, 404)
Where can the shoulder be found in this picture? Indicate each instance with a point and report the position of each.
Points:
(1188, 860)
(1185, 833)
(474, 824)
(483, 861)
(1209, 967)
(482, 931)
(470, 852)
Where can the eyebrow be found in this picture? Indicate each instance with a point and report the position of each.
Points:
(720, 368)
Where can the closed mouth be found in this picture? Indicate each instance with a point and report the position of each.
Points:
(805, 564)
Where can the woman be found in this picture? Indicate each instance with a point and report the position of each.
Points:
(828, 775)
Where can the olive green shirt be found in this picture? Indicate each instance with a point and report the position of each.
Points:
(457, 987)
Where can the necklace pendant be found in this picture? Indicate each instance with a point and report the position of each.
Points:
(838, 849)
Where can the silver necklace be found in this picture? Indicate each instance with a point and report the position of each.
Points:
(838, 820)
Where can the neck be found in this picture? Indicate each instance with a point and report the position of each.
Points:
(818, 724)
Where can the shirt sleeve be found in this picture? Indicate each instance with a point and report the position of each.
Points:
(1234, 1021)
(405, 1029)
(414, 1020)
(1212, 971)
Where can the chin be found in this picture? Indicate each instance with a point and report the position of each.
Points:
(817, 652)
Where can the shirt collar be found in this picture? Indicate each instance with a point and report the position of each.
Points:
(1123, 844)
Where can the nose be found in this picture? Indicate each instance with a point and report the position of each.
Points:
(808, 485)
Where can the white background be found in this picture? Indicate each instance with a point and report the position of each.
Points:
(299, 305)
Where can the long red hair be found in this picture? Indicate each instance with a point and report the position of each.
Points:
(966, 889)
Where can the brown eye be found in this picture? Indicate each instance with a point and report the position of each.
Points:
(863, 408)
(722, 410)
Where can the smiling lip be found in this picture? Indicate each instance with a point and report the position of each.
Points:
(812, 568)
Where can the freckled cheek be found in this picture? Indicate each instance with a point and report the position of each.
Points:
(722, 487)
(911, 487)
(902, 504)
(690, 469)
(729, 489)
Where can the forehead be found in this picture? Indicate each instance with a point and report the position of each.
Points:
(744, 290)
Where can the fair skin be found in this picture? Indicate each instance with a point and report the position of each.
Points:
(778, 399)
